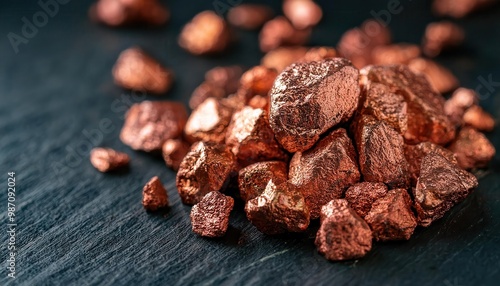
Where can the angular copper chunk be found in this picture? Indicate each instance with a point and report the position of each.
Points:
(154, 195)
(343, 235)
(440, 36)
(209, 121)
(258, 80)
(280, 32)
(249, 16)
(204, 91)
(280, 208)
(319, 53)
(440, 78)
(282, 57)
(426, 119)
(459, 8)
(440, 186)
(325, 171)
(150, 123)
(391, 217)
(117, 13)
(381, 153)
(302, 14)
(210, 217)
(253, 179)
(207, 33)
(173, 151)
(361, 196)
(136, 70)
(107, 159)
(458, 103)
(479, 119)
(394, 54)
(307, 99)
(204, 169)
(472, 148)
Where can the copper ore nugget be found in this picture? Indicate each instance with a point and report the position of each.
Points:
(319, 53)
(441, 185)
(150, 123)
(280, 32)
(459, 102)
(343, 235)
(117, 13)
(391, 217)
(280, 208)
(209, 121)
(249, 16)
(227, 77)
(259, 101)
(440, 78)
(472, 148)
(173, 152)
(479, 119)
(395, 54)
(302, 13)
(204, 169)
(204, 91)
(325, 171)
(361, 196)
(107, 159)
(210, 217)
(307, 99)
(154, 195)
(440, 36)
(426, 120)
(136, 70)
(258, 80)
(253, 179)
(207, 33)
(459, 8)
(282, 57)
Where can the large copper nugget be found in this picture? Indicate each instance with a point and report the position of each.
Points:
(116, 13)
(107, 159)
(154, 195)
(440, 36)
(472, 148)
(253, 179)
(426, 118)
(136, 70)
(309, 98)
(343, 235)
(173, 151)
(458, 103)
(204, 169)
(479, 119)
(282, 57)
(210, 217)
(280, 32)
(361, 196)
(391, 217)
(249, 16)
(439, 77)
(394, 54)
(459, 8)
(302, 14)
(441, 185)
(150, 123)
(381, 153)
(325, 171)
(280, 208)
(209, 121)
(258, 80)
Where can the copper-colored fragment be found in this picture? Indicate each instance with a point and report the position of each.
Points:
(459, 8)
(173, 152)
(440, 78)
(204, 169)
(472, 148)
(249, 16)
(280, 32)
(253, 179)
(343, 235)
(302, 13)
(207, 33)
(280, 208)
(204, 91)
(150, 123)
(391, 217)
(154, 195)
(361, 196)
(479, 119)
(117, 13)
(219, 82)
(136, 70)
(440, 36)
(319, 53)
(325, 171)
(210, 217)
(458, 103)
(282, 57)
(259, 101)
(209, 121)
(441, 185)
(107, 159)
(307, 99)
(258, 80)
(394, 54)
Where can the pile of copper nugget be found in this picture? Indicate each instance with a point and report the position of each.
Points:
(358, 136)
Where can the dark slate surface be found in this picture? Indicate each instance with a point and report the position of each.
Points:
(78, 226)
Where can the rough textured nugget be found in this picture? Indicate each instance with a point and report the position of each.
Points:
(210, 217)
(472, 148)
(154, 195)
(173, 151)
(440, 36)
(361, 196)
(209, 121)
(440, 78)
(253, 179)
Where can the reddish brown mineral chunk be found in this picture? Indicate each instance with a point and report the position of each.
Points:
(258, 80)
(302, 13)
(207, 33)
(249, 16)
(204, 91)
(459, 8)
(210, 217)
(440, 78)
(472, 148)
(458, 103)
(116, 13)
(282, 57)
(479, 119)
(154, 195)
(209, 121)
(361, 196)
(319, 53)
(259, 101)
(280, 32)
(253, 179)
(394, 54)
(107, 159)
(173, 152)
(440, 36)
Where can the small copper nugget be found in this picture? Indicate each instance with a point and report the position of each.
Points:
(472, 148)
(154, 195)
(280, 32)
(209, 121)
(459, 8)
(173, 152)
(116, 13)
(343, 235)
(458, 103)
(440, 78)
(302, 13)
(204, 169)
(210, 217)
(280, 208)
(136, 70)
(249, 16)
(253, 179)
(258, 80)
(150, 123)
(219, 82)
(319, 53)
(395, 54)
(259, 101)
(391, 217)
(361, 196)
(479, 119)
(325, 171)
(441, 185)
(282, 57)
(309, 98)
(107, 159)
(207, 33)
(440, 36)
